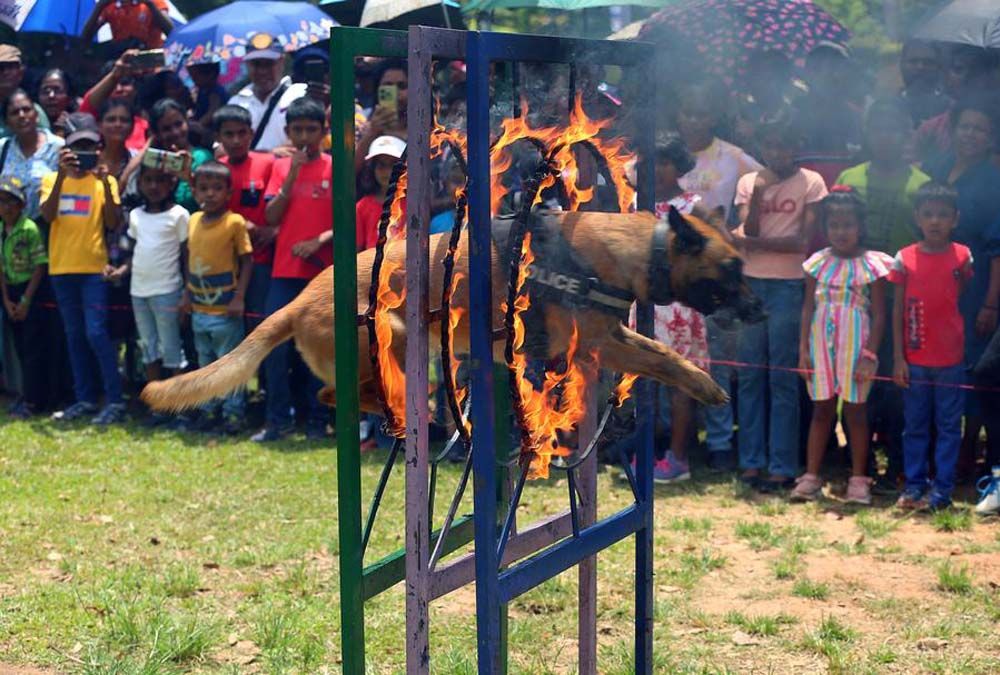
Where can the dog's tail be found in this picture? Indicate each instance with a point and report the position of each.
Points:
(230, 372)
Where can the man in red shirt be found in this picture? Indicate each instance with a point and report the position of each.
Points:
(145, 21)
(251, 172)
(300, 206)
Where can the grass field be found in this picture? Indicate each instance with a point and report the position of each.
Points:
(136, 552)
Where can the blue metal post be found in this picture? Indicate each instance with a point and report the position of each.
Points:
(481, 338)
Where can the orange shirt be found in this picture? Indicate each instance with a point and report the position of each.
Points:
(129, 19)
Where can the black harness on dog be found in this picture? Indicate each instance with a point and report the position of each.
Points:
(558, 275)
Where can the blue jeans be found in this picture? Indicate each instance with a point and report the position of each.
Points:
(924, 401)
(215, 336)
(83, 305)
(723, 345)
(159, 327)
(278, 365)
(772, 343)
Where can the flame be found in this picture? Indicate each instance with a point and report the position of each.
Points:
(561, 402)
(455, 314)
(623, 391)
(397, 224)
(393, 379)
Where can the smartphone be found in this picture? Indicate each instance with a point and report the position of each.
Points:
(149, 59)
(87, 160)
(388, 97)
(161, 159)
(315, 70)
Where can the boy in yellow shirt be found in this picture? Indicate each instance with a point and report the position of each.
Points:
(80, 202)
(218, 273)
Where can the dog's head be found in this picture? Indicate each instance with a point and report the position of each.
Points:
(706, 271)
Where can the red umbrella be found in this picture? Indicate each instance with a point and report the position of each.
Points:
(725, 32)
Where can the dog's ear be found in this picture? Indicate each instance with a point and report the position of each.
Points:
(687, 239)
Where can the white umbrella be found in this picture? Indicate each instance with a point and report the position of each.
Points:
(382, 11)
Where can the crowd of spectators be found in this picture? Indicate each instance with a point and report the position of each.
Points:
(154, 217)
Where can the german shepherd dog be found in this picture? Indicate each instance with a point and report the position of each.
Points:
(705, 273)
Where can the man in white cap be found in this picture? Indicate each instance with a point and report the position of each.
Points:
(269, 93)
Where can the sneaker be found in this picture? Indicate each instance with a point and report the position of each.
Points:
(232, 425)
(808, 488)
(21, 411)
(912, 500)
(884, 486)
(208, 423)
(989, 494)
(670, 470)
(775, 484)
(316, 431)
(269, 435)
(938, 502)
(155, 419)
(113, 413)
(721, 460)
(859, 490)
(76, 411)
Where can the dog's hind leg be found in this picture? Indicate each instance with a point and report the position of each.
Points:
(629, 352)
(367, 398)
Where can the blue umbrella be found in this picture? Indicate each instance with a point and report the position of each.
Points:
(223, 34)
(65, 17)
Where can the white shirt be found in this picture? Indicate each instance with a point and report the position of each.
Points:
(156, 261)
(717, 170)
(274, 134)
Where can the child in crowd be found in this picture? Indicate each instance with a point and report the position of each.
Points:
(80, 204)
(718, 167)
(251, 172)
(218, 273)
(300, 205)
(777, 207)
(22, 268)
(928, 345)
(210, 94)
(887, 184)
(159, 229)
(843, 319)
(676, 325)
(383, 154)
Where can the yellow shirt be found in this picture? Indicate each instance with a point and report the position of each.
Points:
(76, 236)
(214, 249)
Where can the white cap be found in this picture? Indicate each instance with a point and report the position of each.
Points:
(392, 146)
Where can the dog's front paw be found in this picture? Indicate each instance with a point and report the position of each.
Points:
(702, 387)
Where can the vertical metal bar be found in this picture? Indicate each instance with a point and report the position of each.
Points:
(480, 325)
(645, 398)
(345, 300)
(587, 571)
(418, 525)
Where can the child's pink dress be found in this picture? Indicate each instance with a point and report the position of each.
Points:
(841, 321)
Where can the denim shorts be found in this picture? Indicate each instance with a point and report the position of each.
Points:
(159, 326)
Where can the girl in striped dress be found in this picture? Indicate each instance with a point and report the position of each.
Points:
(843, 320)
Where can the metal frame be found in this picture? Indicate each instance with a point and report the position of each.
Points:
(495, 586)
(578, 538)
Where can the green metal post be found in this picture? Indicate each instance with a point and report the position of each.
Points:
(345, 45)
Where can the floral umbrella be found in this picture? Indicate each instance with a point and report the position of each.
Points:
(723, 33)
(222, 35)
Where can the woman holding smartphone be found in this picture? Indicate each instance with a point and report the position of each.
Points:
(168, 120)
